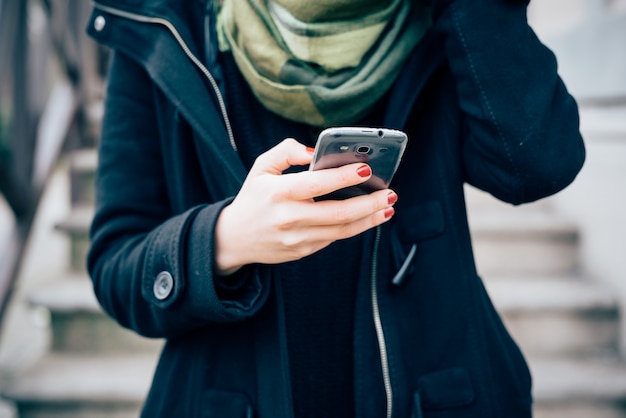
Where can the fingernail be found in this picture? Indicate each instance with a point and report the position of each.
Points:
(364, 170)
(389, 212)
(310, 150)
(392, 198)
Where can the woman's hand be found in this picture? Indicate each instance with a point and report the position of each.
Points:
(274, 218)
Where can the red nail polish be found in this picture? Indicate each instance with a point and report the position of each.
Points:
(392, 198)
(389, 212)
(310, 150)
(364, 170)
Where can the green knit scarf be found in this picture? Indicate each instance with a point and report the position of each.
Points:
(321, 62)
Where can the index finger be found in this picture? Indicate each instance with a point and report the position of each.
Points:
(311, 184)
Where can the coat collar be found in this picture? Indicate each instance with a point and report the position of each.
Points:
(163, 44)
(169, 9)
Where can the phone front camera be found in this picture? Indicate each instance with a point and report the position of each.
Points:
(380, 133)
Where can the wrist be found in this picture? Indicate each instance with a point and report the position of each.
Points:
(227, 258)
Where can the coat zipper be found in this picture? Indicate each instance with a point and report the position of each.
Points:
(380, 332)
(164, 22)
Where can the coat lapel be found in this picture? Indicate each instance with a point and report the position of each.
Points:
(420, 66)
(157, 49)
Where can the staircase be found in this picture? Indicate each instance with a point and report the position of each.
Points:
(566, 323)
(93, 368)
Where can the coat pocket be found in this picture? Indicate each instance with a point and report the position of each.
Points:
(449, 388)
(414, 224)
(420, 221)
(222, 404)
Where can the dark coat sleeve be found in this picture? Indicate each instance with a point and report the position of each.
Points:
(136, 237)
(521, 132)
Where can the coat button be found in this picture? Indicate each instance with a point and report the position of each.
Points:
(163, 285)
(99, 23)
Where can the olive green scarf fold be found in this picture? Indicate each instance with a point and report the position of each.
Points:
(324, 62)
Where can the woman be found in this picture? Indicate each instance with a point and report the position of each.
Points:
(274, 304)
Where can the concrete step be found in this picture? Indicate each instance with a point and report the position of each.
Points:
(477, 201)
(87, 386)
(83, 164)
(523, 242)
(577, 388)
(557, 316)
(76, 227)
(78, 324)
(604, 122)
(7, 409)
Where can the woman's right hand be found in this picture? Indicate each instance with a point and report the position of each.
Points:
(274, 218)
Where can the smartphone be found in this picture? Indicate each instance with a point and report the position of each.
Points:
(380, 148)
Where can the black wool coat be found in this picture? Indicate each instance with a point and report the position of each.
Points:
(482, 103)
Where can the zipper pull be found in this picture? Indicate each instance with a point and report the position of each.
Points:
(398, 279)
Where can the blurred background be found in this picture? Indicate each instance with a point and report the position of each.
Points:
(555, 268)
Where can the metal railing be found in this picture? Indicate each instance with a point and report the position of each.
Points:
(50, 77)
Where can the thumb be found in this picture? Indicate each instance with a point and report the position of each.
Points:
(287, 153)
